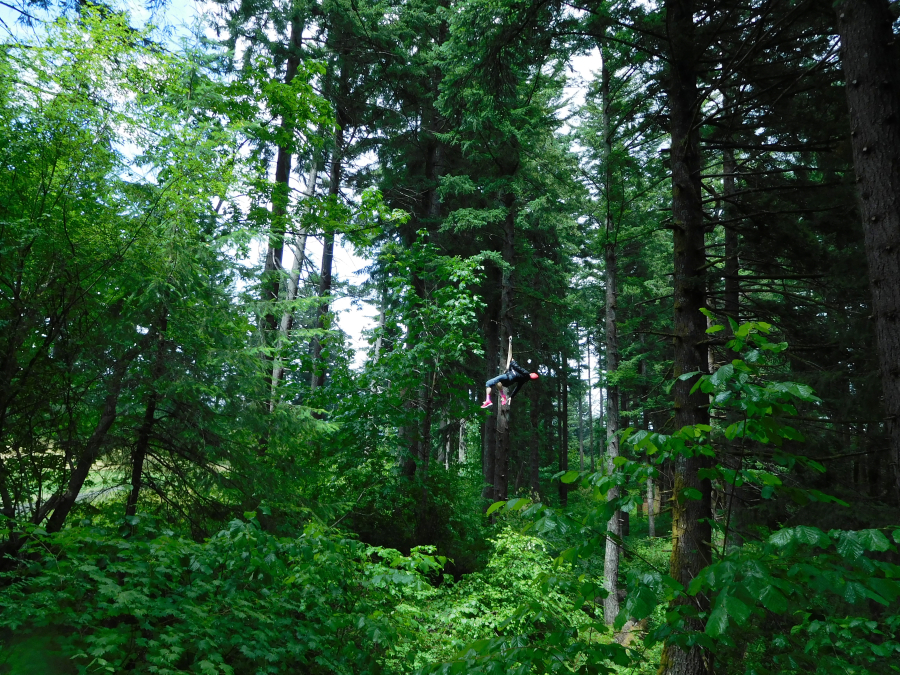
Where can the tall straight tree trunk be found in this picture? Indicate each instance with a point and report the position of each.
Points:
(580, 420)
(280, 194)
(590, 403)
(869, 59)
(691, 532)
(501, 462)
(614, 526)
(732, 300)
(425, 456)
(293, 285)
(732, 307)
(334, 190)
(492, 361)
(564, 428)
(534, 463)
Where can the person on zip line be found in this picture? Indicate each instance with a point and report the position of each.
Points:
(514, 374)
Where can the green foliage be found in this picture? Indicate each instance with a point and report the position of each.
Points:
(522, 614)
(242, 601)
(797, 600)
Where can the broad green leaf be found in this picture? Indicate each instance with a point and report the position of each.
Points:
(849, 546)
(736, 609)
(570, 476)
(717, 623)
(773, 600)
(873, 540)
(493, 507)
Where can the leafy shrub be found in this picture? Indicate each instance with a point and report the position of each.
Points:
(243, 601)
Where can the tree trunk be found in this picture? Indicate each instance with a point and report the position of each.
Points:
(501, 462)
(492, 361)
(580, 416)
(292, 286)
(425, 456)
(731, 305)
(869, 59)
(691, 532)
(564, 429)
(590, 404)
(334, 189)
(143, 440)
(534, 463)
(281, 193)
(614, 526)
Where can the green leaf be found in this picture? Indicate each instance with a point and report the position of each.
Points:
(873, 540)
(517, 503)
(812, 535)
(736, 609)
(493, 507)
(849, 546)
(773, 600)
(691, 493)
(715, 329)
(569, 477)
(722, 374)
(717, 623)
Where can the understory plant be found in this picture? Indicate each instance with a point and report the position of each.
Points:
(784, 599)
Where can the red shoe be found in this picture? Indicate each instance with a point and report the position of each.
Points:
(503, 399)
(487, 404)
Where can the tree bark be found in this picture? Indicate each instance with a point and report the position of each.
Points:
(425, 457)
(492, 361)
(501, 462)
(872, 83)
(334, 189)
(142, 443)
(292, 287)
(590, 404)
(534, 463)
(614, 526)
(691, 532)
(564, 428)
(580, 416)
(280, 195)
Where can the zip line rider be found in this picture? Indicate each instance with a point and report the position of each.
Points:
(514, 374)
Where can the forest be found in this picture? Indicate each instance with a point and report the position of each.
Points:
(680, 219)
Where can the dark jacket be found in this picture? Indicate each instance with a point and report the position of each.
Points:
(519, 373)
